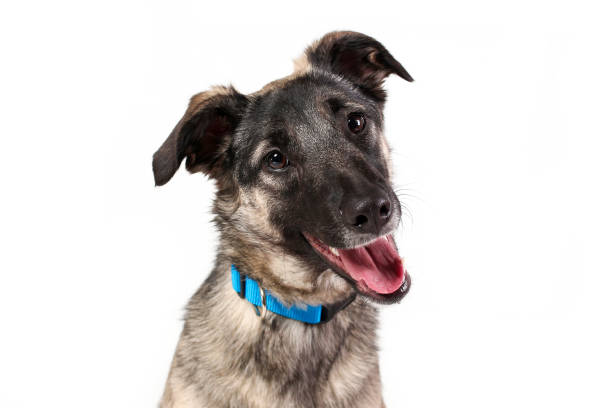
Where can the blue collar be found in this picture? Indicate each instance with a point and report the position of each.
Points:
(248, 289)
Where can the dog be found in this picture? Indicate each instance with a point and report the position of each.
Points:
(306, 212)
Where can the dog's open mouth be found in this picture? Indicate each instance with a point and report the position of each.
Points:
(376, 268)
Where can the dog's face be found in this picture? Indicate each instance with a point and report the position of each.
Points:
(303, 165)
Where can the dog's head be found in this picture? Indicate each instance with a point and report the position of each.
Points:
(303, 173)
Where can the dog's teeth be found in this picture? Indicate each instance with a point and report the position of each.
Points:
(334, 251)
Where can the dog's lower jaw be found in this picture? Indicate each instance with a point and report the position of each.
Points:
(228, 356)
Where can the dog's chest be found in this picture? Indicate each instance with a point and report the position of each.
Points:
(227, 356)
(282, 363)
(304, 365)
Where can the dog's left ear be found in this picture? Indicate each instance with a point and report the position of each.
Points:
(203, 135)
(358, 58)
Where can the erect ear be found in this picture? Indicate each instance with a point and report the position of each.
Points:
(202, 135)
(358, 58)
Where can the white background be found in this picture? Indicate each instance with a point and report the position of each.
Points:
(502, 152)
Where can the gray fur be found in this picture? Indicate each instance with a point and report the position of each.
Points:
(227, 355)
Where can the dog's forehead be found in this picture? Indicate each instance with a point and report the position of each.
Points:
(295, 98)
(301, 106)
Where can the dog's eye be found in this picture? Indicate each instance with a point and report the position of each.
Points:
(276, 160)
(356, 122)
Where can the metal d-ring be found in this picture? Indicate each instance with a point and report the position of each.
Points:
(262, 310)
(264, 306)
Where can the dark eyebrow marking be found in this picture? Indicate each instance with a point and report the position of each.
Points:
(279, 137)
(335, 104)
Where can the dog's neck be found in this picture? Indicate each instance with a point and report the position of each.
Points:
(228, 308)
(264, 301)
(219, 294)
(273, 351)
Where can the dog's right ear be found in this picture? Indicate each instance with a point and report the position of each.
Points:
(203, 135)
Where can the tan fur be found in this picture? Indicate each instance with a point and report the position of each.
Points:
(386, 151)
(200, 99)
(351, 375)
(301, 64)
(179, 394)
(228, 355)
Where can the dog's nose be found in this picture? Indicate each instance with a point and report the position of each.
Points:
(367, 214)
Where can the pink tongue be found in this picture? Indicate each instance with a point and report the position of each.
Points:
(377, 265)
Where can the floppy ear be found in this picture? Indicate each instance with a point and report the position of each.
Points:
(358, 58)
(202, 135)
